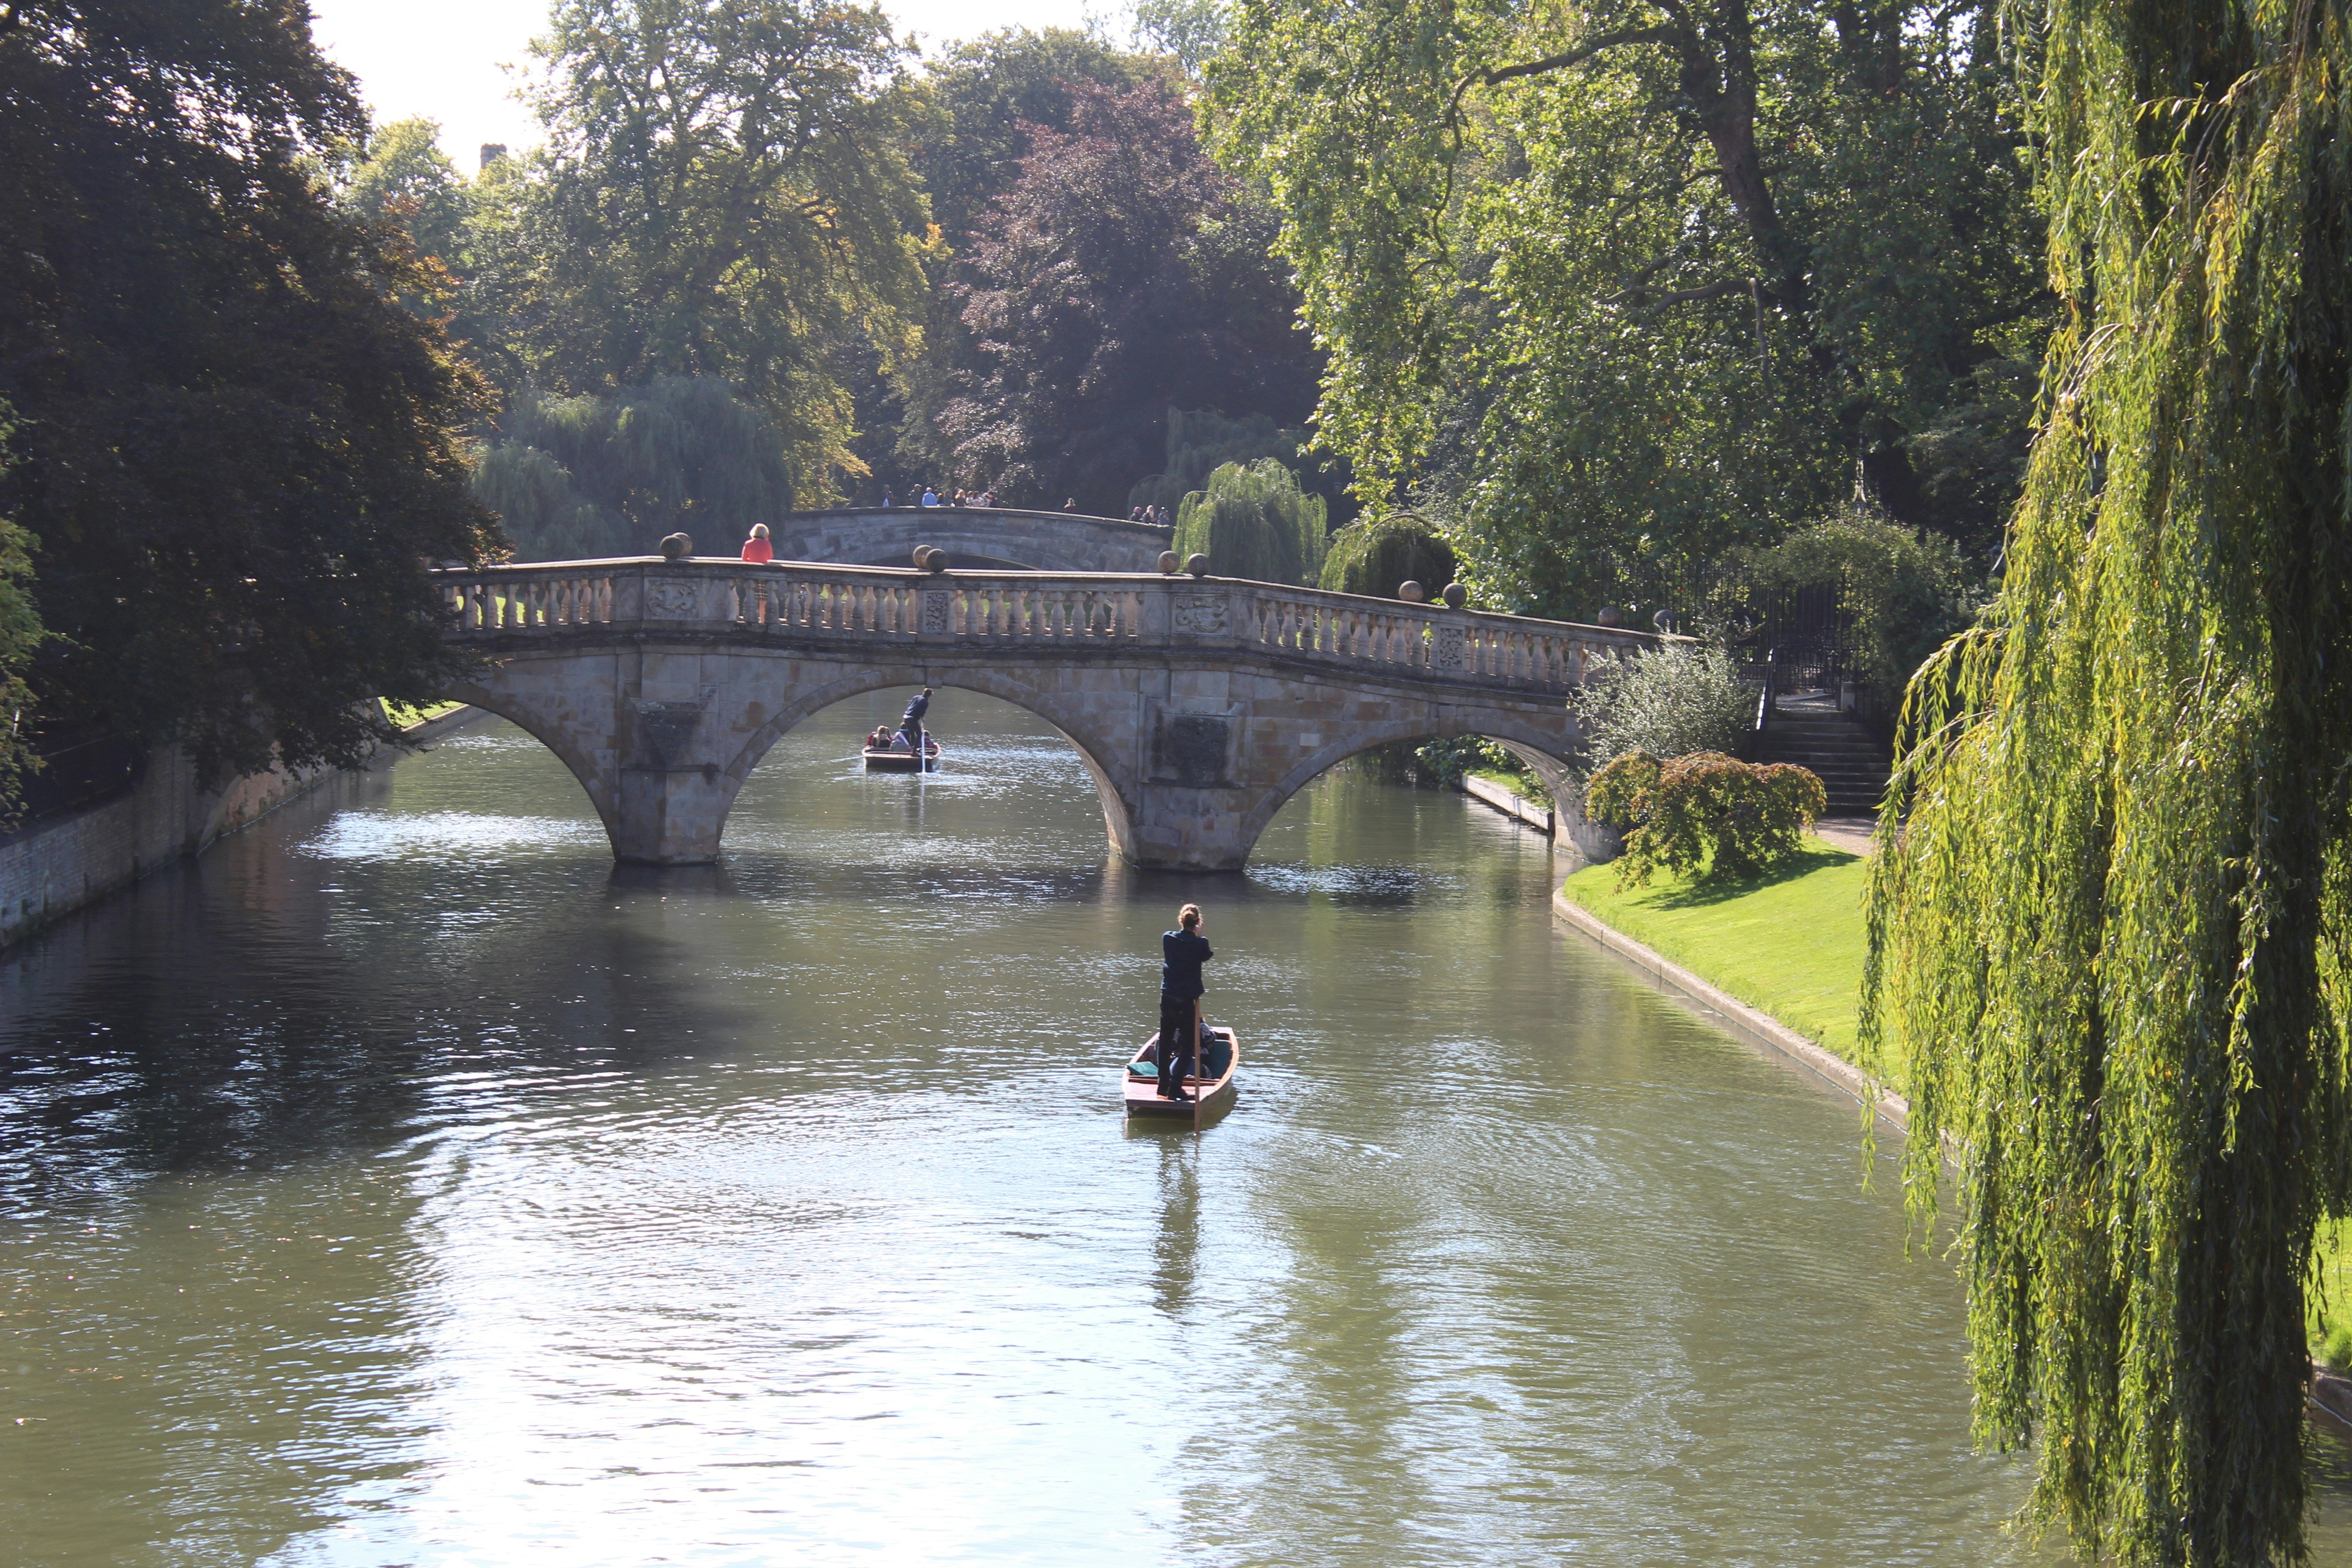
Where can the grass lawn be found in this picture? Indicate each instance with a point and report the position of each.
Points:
(1521, 785)
(1788, 942)
(405, 718)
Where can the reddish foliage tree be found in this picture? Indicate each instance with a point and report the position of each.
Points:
(1122, 274)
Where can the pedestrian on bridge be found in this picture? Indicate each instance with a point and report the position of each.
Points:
(1181, 953)
(756, 549)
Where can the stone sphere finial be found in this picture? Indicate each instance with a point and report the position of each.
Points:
(1664, 621)
(935, 561)
(922, 552)
(1169, 562)
(1198, 565)
(1609, 615)
(1410, 592)
(676, 547)
(1455, 594)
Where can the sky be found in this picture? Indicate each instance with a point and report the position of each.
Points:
(442, 58)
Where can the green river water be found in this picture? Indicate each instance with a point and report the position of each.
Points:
(400, 1183)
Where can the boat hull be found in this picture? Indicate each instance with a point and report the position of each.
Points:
(892, 762)
(1143, 1097)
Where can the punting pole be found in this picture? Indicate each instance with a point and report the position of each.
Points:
(1200, 1061)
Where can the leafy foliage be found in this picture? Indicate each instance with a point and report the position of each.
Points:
(237, 450)
(726, 195)
(20, 636)
(2113, 934)
(1122, 274)
(1668, 700)
(578, 476)
(1253, 521)
(1376, 555)
(1706, 815)
(1201, 440)
(1666, 270)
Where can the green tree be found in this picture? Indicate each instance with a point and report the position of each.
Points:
(1374, 556)
(237, 451)
(585, 476)
(1253, 521)
(2114, 931)
(726, 193)
(1666, 271)
(1201, 440)
(1187, 31)
(1123, 273)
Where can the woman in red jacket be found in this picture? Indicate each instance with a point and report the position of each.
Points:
(756, 549)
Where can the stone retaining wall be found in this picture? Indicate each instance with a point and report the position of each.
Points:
(59, 864)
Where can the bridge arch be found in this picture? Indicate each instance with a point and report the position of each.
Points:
(1074, 727)
(593, 770)
(1540, 750)
(1198, 705)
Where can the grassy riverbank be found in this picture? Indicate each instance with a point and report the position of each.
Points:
(1791, 945)
(1788, 942)
(406, 718)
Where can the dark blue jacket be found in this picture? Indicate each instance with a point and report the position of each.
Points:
(1181, 955)
(915, 711)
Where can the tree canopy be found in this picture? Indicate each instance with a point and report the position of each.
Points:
(1625, 285)
(235, 450)
(1121, 274)
(2112, 922)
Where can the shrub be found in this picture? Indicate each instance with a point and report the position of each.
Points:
(1373, 556)
(1705, 814)
(1253, 521)
(1669, 701)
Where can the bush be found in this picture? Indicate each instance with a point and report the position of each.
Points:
(1374, 556)
(1669, 701)
(1705, 814)
(1253, 521)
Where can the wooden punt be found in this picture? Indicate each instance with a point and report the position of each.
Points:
(1143, 1093)
(890, 760)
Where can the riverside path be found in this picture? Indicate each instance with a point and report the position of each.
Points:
(1199, 705)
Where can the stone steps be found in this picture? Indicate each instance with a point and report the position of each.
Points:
(1850, 762)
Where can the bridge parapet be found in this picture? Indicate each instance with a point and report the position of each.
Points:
(797, 603)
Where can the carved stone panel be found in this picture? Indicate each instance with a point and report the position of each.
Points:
(1202, 615)
(935, 611)
(1193, 750)
(665, 728)
(668, 599)
(1449, 647)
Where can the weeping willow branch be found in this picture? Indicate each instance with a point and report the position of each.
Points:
(2111, 927)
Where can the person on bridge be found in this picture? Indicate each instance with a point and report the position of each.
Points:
(756, 549)
(910, 728)
(1181, 953)
(931, 496)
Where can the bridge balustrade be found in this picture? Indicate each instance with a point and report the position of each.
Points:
(792, 599)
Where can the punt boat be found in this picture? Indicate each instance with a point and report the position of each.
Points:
(895, 759)
(1142, 1088)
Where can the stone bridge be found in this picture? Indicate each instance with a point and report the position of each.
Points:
(978, 537)
(1200, 705)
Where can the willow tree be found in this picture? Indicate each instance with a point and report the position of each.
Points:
(2115, 936)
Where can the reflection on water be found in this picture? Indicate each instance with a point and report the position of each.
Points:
(402, 1185)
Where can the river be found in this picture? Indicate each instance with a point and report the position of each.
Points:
(400, 1183)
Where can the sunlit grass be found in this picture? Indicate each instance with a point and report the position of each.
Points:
(405, 717)
(1788, 942)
